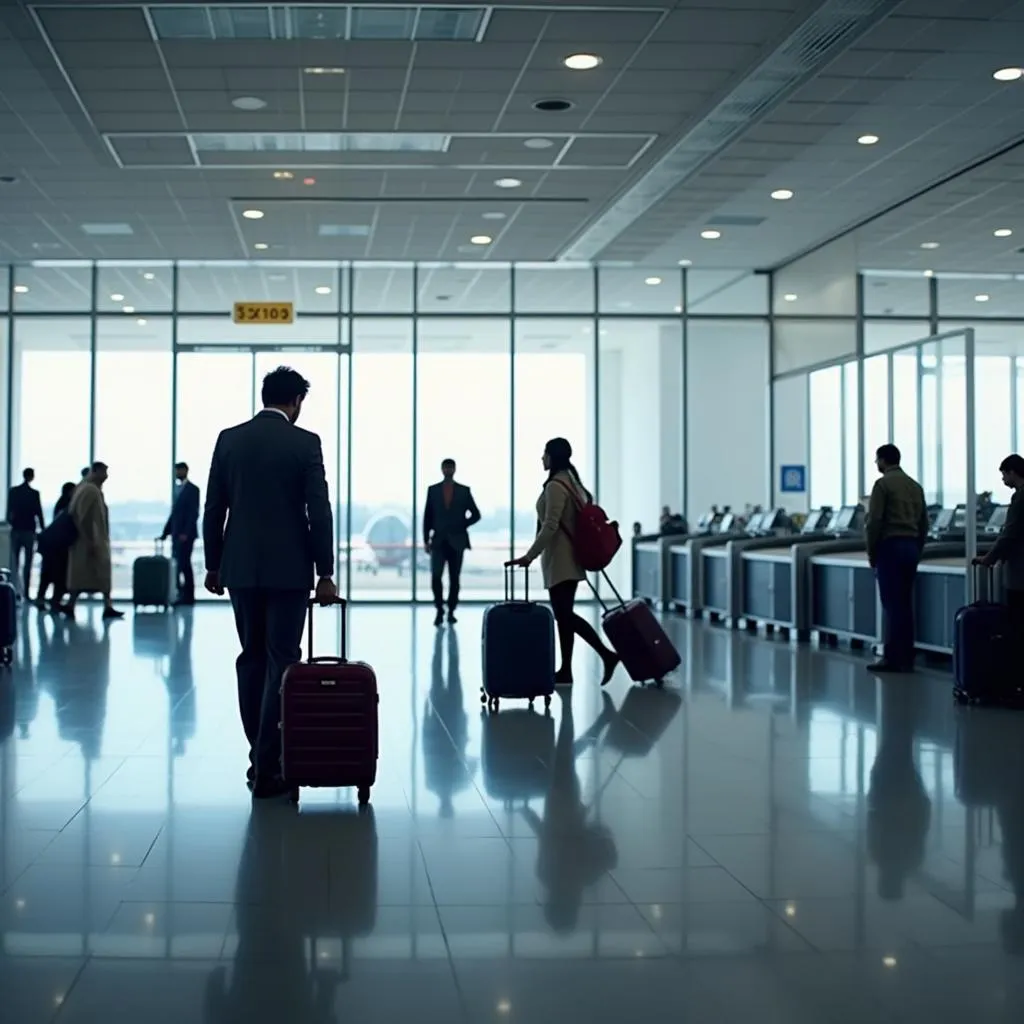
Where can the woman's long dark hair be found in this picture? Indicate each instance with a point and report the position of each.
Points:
(559, 453)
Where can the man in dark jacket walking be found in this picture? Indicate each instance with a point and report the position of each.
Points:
(266, 528)
(25, 514)
(183, 528)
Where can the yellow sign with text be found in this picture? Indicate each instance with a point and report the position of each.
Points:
(264, 313)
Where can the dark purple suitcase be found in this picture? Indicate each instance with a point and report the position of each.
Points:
(329, 727)
(647, 653)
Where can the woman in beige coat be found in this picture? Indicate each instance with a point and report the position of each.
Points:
(89, 569)
(563, 493)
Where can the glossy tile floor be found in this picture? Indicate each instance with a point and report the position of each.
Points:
(780, 839)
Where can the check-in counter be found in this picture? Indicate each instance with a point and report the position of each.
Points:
(940, 590)
(715, 583)
(843, 596)
(686, 570)
(651, 568)
(763, 586)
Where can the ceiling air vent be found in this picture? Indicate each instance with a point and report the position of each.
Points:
(340, 22)
(833, 27)
(738, 221)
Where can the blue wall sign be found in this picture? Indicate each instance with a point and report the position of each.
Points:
(793, 479)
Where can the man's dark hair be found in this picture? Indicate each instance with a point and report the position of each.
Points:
(85, 471)
(1012, 464)
(447, 462)
(101, 467)
(889, 454)
(284, 386)
(28, 474)
(181, 465)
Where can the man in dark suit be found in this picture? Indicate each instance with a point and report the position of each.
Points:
(183, 528)
(267, 482)
(449, 513)
(24, 512)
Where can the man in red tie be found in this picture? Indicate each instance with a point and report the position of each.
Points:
(447, 516)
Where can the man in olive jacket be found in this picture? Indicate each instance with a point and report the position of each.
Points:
(896, 530)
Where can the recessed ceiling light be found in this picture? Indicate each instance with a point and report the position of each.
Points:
(261, 246)
(929, 245)
(248, 103)
(117, 297)
(1008, 74)
(1002, 232)
(324, 71)
(309, 181)
(481, 240)
(283, 175)
(790, 297)
(252, 214)
(508, 182)
(981, 298)
(582, 61)
(677, 309)
(149, 276)
(782, 193)
(323, 290)
(868, 140)
(686, 263)
(711, 234)
(141, 321)
(127, 309)
(538, 144)
(21, 289)
(494, 215)
(929, 273)
(652, 280)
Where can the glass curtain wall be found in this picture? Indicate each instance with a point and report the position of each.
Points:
(914, 390)
(409, 364)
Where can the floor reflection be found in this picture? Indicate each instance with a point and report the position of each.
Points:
(776, 835)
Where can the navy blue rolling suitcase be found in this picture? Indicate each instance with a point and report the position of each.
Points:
(518, 649)
(984, 662)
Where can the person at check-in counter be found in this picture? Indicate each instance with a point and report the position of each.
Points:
(896, 530)
(1009, 548)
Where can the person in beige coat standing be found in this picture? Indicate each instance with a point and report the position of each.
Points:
(89, 568)
(563, 493)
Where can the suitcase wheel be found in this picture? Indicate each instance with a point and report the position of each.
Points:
(363, 794)
(7, 656)
(492, 705)
(483, 695)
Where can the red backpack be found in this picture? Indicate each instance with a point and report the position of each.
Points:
(596, 539)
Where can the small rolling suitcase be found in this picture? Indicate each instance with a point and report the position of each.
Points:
(8, 618)
(329, 728)
(152, 580)
(647, 653)
(984, 661)
(518, 643)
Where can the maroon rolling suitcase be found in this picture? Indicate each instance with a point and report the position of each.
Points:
(647, 653)
(329, 731)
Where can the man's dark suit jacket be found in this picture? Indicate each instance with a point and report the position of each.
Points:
(24, 509)
(449, 523)
(267, 482)
(184, 518)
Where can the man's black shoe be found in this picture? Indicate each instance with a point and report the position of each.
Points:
(451, 617)
(271, 789)
(439, 618)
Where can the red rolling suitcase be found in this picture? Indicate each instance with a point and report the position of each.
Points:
(329, 729)
(647, 653)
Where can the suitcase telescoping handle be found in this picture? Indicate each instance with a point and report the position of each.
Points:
(510, 583)
(343, 604)
(986, 588)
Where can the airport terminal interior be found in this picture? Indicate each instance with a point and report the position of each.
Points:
(727, 248)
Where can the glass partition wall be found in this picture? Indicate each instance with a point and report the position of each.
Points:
(142, 365)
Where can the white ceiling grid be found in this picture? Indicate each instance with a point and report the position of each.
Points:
(83, 87)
